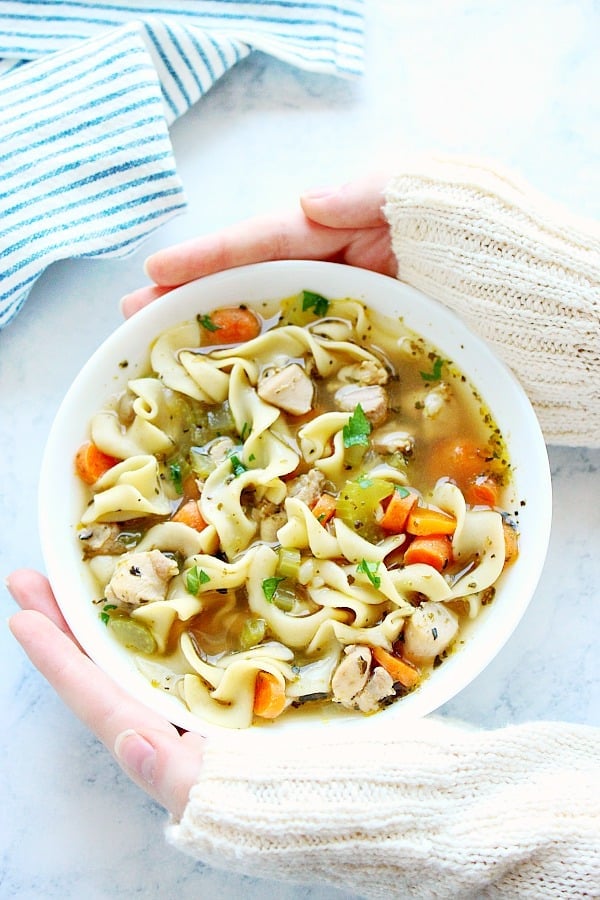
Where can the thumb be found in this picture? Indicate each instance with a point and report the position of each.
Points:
(165, 765)
(357, 204)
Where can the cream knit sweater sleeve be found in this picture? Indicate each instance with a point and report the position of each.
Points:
(520, 270)
(432, 811)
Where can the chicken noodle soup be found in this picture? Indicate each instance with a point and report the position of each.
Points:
(295, 505)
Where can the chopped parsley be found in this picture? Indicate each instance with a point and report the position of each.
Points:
(176, 476)
(315, 301)
(195, 578)
(207, 322)
(104, 615)
(269, 587)
(357, 430)
(237, 466)
(436, 372)
(369, 568)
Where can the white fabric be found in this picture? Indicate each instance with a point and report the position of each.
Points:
(88, 93)
(428, 810)
(521, 271)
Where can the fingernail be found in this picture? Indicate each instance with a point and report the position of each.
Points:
(319, 193)
(136, 754)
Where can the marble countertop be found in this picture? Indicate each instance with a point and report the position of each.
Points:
(516, 82)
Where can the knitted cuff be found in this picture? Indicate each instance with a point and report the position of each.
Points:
(521, 271)
(436, 811)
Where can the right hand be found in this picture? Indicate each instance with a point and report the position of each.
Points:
(343, 225)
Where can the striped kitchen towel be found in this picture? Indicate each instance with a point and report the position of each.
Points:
(87, 94)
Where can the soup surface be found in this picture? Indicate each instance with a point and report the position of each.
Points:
(296, 504)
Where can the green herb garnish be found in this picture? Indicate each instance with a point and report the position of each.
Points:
(436, 372)
(369, 568)
(207, 322)
(176, 476)
(315, 301)
(269, 587)
(104, 615)
(195, 578)
(357, 430)
(237, 466)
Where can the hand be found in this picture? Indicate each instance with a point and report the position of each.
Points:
(148, 748)
(345, 225)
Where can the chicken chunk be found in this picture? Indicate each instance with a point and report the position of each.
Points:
(367, 372)
(378, 688)
(372, 398)
(289, 389)
(435, 399)
(307, 487)
(392, 441)
(429, 631)
(140, 578)
(351, 675)
(270, 519)
(101, 539)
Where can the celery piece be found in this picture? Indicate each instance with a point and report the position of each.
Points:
(132, 635)
(289, 562)
(358, 501)
(201, 463)
(220, 420)
(284, 598)
(252, 633)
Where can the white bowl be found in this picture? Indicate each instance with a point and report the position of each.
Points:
(61, 497)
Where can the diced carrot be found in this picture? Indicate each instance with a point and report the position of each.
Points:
(230, 325)
(399, 670)
(397, 510)
(434, 550)
(482, 491)
(459, 459)
(269, 696)
(91, 462)
(324, 508)
(189, 514)
(511, 543)
(423, 521)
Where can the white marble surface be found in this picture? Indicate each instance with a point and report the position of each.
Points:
(515, 81)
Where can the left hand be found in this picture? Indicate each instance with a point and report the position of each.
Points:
(344, 225)
(149, 749)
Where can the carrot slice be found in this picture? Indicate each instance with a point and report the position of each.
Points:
(324, 508)
(434, 550)
(189, 514)
(397, 510)
(91, 462)
(458, 459)
(423, 521)
(269, 696)
(397, 668)
(482, 491)
(229, 325)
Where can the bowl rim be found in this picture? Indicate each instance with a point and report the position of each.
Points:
(103, 373)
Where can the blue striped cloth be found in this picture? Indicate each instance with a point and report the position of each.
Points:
(87, 94)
